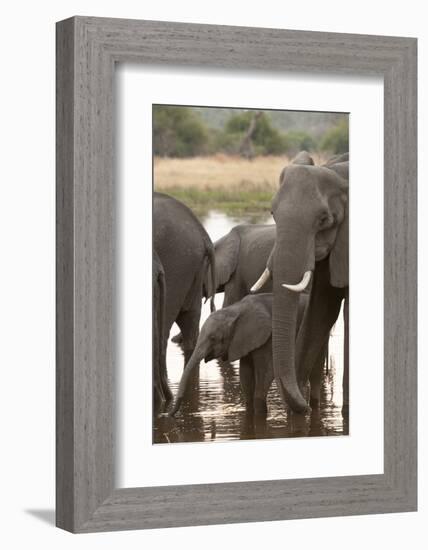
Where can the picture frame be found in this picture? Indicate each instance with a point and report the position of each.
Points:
(87, 51)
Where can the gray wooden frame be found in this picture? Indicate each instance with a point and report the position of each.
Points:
(87, 50)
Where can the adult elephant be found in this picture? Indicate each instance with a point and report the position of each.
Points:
(186, 253)
(310, 209)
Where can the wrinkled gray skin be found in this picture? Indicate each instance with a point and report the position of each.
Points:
(241, 331)
(241, 256)
(336, 159)
(311, 215)
(303, 158)
(160, 384)
(186, 253)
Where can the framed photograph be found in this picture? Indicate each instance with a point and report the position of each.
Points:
(217, 189)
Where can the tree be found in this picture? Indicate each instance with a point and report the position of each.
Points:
(249, 131)
(178, 132)
(246, 146)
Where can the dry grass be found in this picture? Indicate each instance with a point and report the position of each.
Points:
(218, 172)
(229, 183)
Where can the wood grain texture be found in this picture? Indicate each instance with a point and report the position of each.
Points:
(87, 49)
(64, 277)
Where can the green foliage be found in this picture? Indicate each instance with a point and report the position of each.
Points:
(184, 132)
(300, 141)
(235, 202)
(266, 139)
(239, 122)
(178, 132)
(336, 140)
(228, 143)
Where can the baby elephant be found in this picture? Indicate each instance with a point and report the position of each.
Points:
(242, 331)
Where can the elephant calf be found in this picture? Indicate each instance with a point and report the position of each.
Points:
(241, 331)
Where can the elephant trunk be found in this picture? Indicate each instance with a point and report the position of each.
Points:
(290, 264)
(192, 364)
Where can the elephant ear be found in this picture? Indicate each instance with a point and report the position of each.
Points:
(339, 256)
(336, 159)
(341, 168)
(303, 158)
(252, 327)
(226, 257)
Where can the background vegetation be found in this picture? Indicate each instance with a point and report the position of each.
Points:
(193, 131)
(230, 159)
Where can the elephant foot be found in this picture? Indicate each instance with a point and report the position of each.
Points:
(175, 407)
(305, 389)
(167, 393)
(162, 395)
(259, 406)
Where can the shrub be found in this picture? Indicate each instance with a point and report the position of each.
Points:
(266, 139)
(178, 132)
(227, 143)
(336, 140)
(300, 141)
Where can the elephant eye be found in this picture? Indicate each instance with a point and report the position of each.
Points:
(324, 220)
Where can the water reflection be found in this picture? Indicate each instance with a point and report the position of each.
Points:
(215, 408)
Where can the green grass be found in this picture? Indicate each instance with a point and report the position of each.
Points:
(233, 202)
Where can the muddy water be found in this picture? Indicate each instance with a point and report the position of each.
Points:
(215, 410)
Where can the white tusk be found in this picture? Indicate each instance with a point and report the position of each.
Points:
(302, 285)
(262, 281)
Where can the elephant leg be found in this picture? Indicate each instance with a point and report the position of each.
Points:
(263, 376)
(158, 393)
(188, 322)
(315, 377)
(319, 317)
(327, 357)
(161, 391)
(346, 355)
(246, 377)
(163, 374)
(315, 381)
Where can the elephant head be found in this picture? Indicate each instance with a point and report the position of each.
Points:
(310, 210)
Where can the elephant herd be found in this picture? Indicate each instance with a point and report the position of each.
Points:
(283, 286)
